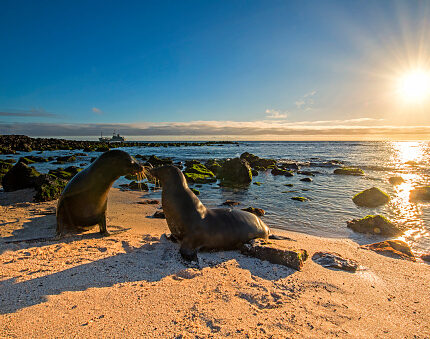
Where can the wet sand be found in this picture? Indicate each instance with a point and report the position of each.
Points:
(135, 284)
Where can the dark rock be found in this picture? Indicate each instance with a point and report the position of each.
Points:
(348, 171)
(159, 215)
(254, 172)
(149, 202)
(396, 180)
(231, 203)
(302, 199)
(425, 257)
(374, 224)
(18, 177)
(306, 179)
(279, 171)
(264, 250)
(236, 171)
(420, 194)
(5, 166)
(259, 212)
(372, 197)
(257, 183)
(334, 260)
(393, 248)
(289, 185)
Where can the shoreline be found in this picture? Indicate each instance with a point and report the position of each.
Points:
(134, 282)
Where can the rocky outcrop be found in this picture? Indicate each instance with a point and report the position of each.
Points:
(420, 194)
(393, 248)
(264, 250)
(372, 197)
(396, 180)
(198, 173)
(235, 172)
(48, 187)
(302, 199)
(19, 176)
(334, 260)
(5, 167)
(156, 161)
(374, 224)
(259, 212)
(258, 163)
(280, 171)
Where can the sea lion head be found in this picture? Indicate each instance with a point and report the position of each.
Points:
(120, 162)
(168, 175)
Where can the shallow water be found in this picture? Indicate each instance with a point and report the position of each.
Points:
(330, 204)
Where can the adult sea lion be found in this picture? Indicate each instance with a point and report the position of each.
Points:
(198, 227)
(83, 203)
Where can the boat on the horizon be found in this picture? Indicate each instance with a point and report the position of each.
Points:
(115, 138)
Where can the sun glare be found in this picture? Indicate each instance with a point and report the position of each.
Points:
(414, 86)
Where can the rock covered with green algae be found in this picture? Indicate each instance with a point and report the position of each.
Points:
(48, 187)
(236, 172)
(420, 194)
(372, 197)
(348, 171)
(374, 224)
(67, 173)
(214, 166)
(275, 254)
(302, 199)
(198, 173)
(280, 171)
(393, 248)
(256, 162)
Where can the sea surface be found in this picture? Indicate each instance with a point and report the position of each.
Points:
(330, 205)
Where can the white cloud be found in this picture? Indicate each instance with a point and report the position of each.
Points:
(306, 101)
(275, 114)
(351, 129)
(97, 110)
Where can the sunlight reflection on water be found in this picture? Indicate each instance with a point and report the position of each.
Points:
(406, 213)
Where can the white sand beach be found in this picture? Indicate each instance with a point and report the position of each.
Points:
(135, 284)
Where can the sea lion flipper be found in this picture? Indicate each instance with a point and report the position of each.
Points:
(102, 224)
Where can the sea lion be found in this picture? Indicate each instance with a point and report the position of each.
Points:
(198, 227)
(83, 203)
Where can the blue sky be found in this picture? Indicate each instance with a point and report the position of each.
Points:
(200, 67)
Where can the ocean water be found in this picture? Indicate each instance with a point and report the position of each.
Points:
(330, 205)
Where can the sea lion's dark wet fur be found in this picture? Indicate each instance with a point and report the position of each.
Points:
(198, 227)
(83, 202)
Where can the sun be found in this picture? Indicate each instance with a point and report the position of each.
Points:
(414, 86)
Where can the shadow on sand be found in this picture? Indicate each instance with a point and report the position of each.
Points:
(150, 263)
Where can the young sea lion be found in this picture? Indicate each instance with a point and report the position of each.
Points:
(83, 202)
(198, 227)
